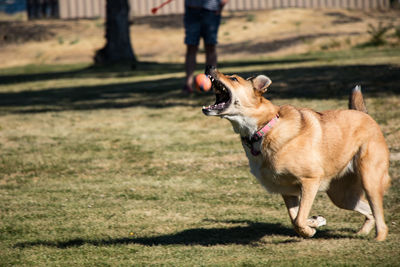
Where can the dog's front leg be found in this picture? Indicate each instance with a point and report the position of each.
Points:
(309, 189)
(292, 205)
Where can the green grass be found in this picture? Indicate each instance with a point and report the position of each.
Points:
(116, 167)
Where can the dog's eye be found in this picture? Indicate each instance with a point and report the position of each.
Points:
(233, 79)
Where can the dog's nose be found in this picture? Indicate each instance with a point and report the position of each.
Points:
(210, 70)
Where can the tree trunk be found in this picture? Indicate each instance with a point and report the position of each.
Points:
(118, 47)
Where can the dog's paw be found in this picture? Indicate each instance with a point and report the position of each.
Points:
(306, 231)
(316, 221)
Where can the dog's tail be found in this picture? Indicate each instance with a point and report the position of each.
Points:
(356, 100)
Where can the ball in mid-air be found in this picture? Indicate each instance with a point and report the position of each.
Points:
(203, 83)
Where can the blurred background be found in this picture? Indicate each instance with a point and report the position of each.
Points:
(71, 31)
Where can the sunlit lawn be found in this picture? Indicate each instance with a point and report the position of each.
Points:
(117, 167)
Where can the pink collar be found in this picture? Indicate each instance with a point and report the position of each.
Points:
(249, 141)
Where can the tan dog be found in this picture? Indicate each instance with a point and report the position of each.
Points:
(297, 152)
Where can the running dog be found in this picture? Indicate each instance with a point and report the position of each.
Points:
(297, 152)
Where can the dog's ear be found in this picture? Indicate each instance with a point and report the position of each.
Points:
(261, 83)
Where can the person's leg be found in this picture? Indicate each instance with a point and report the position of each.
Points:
(192, 21)
(209, 31)
(211, 55)
(190, 65)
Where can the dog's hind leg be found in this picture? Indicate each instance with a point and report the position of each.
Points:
(364, 208)
(347, 193)
(373, 166)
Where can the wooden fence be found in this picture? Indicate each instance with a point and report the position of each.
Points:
(72, 9)
(269, 4)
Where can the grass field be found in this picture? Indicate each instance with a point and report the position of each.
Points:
(116, 167)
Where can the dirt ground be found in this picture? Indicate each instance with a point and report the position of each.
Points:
(242, 34)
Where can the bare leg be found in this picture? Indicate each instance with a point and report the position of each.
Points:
(190, 64)
(211, 55)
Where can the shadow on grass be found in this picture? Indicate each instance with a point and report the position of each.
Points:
(34, 72)
(342, 18)
(321, 82)
(41, 73)
(237, 235)
(275, 45)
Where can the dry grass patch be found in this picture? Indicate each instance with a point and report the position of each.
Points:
(242, 35)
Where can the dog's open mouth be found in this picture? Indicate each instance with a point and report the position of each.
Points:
(222, 98)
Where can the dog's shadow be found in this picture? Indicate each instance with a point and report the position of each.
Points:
(249, 234)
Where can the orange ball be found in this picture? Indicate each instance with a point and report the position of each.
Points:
(203, 83)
